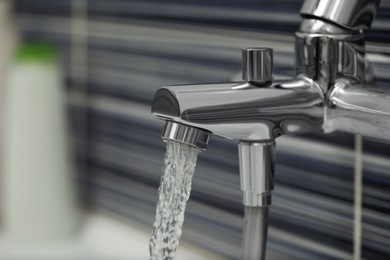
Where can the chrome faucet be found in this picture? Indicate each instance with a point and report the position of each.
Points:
(330, 93)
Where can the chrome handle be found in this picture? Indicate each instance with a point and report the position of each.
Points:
(257, 65)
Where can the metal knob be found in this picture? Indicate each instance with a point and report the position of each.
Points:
(257, 65)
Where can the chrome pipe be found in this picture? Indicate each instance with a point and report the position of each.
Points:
(359, 109)
(257, 167)
(254, 237)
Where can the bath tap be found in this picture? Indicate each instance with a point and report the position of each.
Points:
(329, 93)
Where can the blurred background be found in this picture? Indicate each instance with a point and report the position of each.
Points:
(85, 109)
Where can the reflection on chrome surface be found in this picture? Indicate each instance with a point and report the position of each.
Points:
(243, 111)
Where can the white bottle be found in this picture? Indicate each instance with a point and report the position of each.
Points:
(39, 187)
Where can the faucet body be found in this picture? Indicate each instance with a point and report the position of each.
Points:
(331, 92)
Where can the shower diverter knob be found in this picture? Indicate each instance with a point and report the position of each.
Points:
(257, 65)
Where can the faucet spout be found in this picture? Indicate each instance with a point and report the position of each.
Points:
(243, 111)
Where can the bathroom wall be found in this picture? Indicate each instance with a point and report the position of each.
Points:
(116, 53)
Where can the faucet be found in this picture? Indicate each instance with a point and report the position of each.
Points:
(332, 91)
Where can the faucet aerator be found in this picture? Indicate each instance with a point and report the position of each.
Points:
(185, 134)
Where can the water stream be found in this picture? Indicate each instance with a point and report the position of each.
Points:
(174, 191)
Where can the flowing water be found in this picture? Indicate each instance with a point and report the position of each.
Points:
(174, 191)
